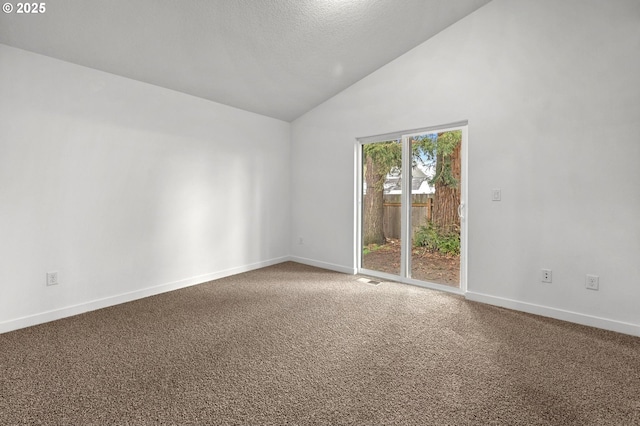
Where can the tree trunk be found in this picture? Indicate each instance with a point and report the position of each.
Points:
(373, 232)
(446, 198)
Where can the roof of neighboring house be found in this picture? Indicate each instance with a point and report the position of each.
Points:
(419, 182)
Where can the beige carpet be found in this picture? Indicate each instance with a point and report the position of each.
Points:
(291, 344)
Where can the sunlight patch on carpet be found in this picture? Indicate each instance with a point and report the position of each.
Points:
(369, 281)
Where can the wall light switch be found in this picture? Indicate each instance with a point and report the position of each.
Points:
(496, 194)
(52, 278)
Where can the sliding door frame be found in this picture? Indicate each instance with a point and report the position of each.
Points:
(405, 228)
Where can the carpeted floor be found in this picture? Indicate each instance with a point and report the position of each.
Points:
(292, 344)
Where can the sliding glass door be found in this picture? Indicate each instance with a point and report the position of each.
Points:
(411, 206)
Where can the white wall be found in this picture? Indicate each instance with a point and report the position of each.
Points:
(127, 189)
(551, 92)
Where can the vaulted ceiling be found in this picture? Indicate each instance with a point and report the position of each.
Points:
(278, 58)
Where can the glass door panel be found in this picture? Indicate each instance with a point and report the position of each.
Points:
(381, 207)
(435, 206)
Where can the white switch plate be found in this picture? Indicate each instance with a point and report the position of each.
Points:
(52, 278)
(496, 194)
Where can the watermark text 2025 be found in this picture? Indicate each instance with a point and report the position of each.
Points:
(25, 8)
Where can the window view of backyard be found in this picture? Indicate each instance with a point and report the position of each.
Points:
(435, 197)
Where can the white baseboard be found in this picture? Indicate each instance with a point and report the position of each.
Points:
(43, 317)
(606, 324)
(93, 305)
(323, 265)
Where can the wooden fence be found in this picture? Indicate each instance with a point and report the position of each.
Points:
(421, 210)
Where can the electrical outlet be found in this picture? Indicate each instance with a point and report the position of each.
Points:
(546, 275)
(52, 278)
(593, 282)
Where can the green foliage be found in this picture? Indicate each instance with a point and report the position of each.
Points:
(434, 239)
(438, 148)
(386, 155)
(429, 149)
(371, 248)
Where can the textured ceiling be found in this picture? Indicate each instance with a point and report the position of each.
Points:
(278, 58)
